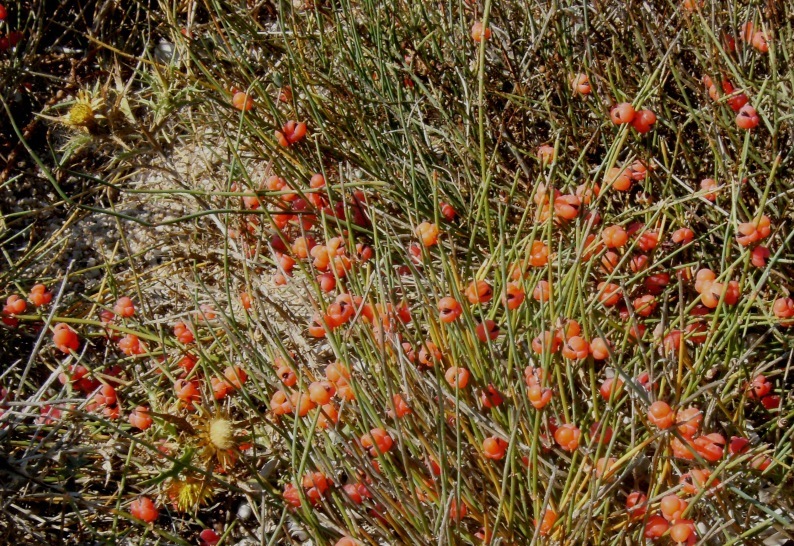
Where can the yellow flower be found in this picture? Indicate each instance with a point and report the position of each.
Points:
(217, 441)
(189, 492)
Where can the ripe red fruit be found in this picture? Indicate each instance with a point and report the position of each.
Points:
(208, 537)
(688, 421)
(576, 348)
(187, 391)
(710, 446)
(3, 13)
(377, 441)
(614, 236)
(538, 396)
(514, 295)
(636, 504)
(759, 256)
(140, 418)
(611, 386)
(478, 32)
(321, 392)
(643, 121)
(547, 522)
(143, 509)
(479, 292)
(242, 101)
(567, 436)
(235, 376)
(182, 333)
(580, 83)
(65, 339)
(672, 507)
(661, 415)
(747, 118)
(622, 113)
(487, 330)
(655, 527)
(15, 305)
(494, 448)
(682, 531)
(427, 233)
(457, 377)
(39, 295)
(291, 133)
(599, 348)
(124, 307)
(449, 309)
(490, 397)
(683, 236)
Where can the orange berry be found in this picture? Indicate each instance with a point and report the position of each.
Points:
(580, 83)
(514, 295)
(235, 376)
(124, 307)
(567, 436)
(599, 348)
(321, 392)
(683, 236)
(457, 377)
(643, 121)
(183, 334)
(242, 101)
(710, 188)
(760, 41)
(486, 330)
(747, 118)
(39, 295)
(140, 418)
(618, 178)
(547, 522)
(710, 446)
(538, 254)
(655, 527)
(644, 305)
(280, 403)
(538, 396)
(622, 113)
(576, 348)
(610, 386)
(377, 441)
(661, 415)
(64, 338)
(302, 403)
(401, 408)
(688, 421)
(672, 507)
(636, 504)
(490, 397)
(759, 255)
(291, 133)
(427, 233)
(609, 294)
(144, 509)
(542, 291)
(546, 154)
(479, 292)
(682, 531)
(614, 236)
(478, 32)
(494, 448)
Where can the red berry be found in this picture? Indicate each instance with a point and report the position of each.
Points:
(144, 509)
